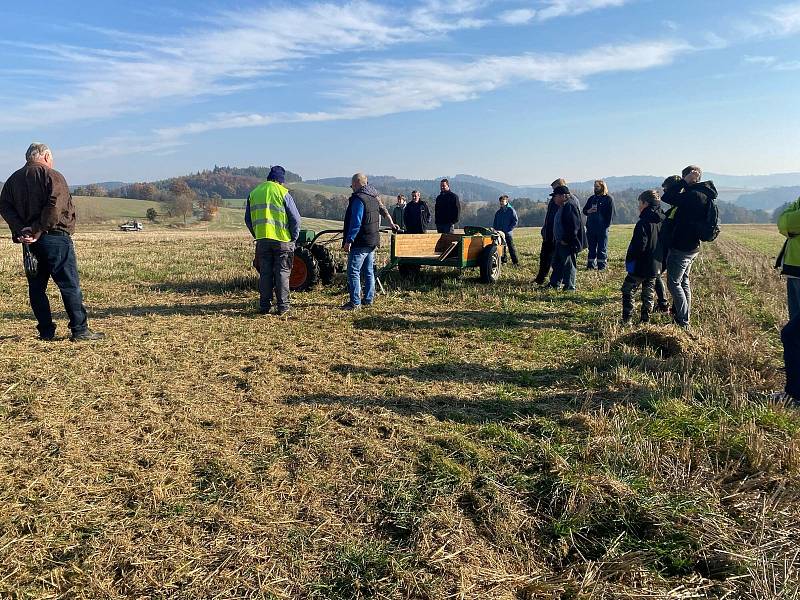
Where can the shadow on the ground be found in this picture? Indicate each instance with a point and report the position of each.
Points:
(246, 307)
(462, 372)
(469, 319)
(207, 286)
(445, 407)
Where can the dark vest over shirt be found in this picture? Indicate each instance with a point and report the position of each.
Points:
(369, 235)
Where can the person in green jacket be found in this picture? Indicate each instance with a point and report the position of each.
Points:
(789, 264)
(397, 212)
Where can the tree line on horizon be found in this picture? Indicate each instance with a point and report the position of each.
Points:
(209, 188)
(531, 212)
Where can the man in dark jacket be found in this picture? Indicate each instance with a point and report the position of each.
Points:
(569, 235)
(38, 208)
(361, 237)
(691, 198)
(599, 211)
(447, 210)
(644, 257)
(548, 245)
(505, 220)
(417, 215)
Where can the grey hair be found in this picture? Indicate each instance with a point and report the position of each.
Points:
(360, 179)
(37, 151)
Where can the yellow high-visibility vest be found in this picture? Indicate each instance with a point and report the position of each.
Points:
(268, 212)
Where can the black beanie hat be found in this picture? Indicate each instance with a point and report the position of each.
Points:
(277, 173)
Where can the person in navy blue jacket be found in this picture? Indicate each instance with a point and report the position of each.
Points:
(599, 211)
(645, 256)
(505, 220)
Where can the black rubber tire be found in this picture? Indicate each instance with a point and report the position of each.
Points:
(327, 264)
(305, 270)
(489, 264)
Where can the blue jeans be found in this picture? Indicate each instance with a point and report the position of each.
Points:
(598, 248)
(361, 261)
(56, 256)
(445, 227)
(793, 293)
(565, 266)
(790, 336)
(679, 265)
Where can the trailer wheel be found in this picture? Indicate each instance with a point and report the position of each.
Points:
(305, 270)
(489, 264)
(327, 265)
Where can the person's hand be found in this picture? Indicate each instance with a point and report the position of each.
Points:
(395, 227)
(346, 246)
(26, 236)
(692, 177)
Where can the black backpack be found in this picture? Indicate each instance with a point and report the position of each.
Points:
(709, 227)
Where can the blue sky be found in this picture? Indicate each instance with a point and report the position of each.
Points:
(520, 92)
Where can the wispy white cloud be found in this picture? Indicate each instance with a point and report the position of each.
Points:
(783, 19)
(760, 60)
(518, 16)
(560, 8)
(550, 9)
(396, 86)
(147, 72)
(772, 63)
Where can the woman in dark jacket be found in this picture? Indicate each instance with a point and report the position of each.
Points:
(599, 211)
(644, 257)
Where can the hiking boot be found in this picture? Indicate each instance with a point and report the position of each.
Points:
(350, 306)
(87, 336)
(264, 311)
(282, 312)
(661, 308)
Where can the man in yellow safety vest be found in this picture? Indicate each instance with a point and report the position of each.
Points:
(274, 221)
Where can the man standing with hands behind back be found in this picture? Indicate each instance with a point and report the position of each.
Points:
(447, 210)
(38, 208)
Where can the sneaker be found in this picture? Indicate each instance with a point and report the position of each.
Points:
(87, 336)
(281, 312)
(350, 306)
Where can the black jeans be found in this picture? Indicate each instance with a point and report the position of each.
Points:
(445, 227)
(275, 265)
(512, 250)
(629, 287)
(545, 261)
(56, 256)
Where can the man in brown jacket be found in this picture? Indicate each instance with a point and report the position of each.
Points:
(37, 205)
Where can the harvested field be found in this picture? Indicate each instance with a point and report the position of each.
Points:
(455, 441)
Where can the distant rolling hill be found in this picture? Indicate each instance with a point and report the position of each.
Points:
(769, 199)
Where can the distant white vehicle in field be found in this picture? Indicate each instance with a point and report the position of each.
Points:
(132, 226)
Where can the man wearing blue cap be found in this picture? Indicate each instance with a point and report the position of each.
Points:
(274, 221)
